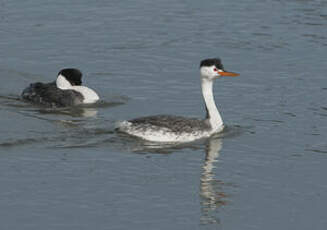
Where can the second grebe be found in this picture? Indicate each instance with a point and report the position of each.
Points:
(67, 90)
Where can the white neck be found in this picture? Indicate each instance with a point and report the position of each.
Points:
(90, 96)
(213, 114)
(62, 83)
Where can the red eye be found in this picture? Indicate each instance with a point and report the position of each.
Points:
(215, 70)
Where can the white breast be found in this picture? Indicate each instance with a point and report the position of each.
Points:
(90, 96)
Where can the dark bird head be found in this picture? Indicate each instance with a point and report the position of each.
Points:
(74, 76)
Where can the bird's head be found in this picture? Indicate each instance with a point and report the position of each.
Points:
(68, 78)
(212, 68)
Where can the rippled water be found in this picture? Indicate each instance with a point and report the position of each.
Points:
(69, 169)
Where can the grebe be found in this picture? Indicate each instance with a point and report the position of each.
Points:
(168, 128)
(67, 90)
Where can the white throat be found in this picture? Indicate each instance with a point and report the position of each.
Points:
(214, 116)
(89, 95)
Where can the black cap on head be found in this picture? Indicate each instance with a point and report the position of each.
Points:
(74, 76)
(212, 61)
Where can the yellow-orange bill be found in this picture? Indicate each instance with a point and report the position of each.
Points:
(229, 74)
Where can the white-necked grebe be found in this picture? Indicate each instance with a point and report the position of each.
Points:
(168, 128)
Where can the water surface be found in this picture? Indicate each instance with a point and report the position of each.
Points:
(69, 169)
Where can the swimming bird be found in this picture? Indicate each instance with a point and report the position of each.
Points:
(169, 128)
(67, 90)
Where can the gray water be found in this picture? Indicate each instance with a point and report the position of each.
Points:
(69, 169)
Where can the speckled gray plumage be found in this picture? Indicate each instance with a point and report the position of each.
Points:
(47, 94)
(176, 124)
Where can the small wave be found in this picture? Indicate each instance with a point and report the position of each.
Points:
(317, 150)
(24, 141)
(231, 131)
(116, 101)
(12, 101)
(89, 139)
(89, 110)
(269, 120)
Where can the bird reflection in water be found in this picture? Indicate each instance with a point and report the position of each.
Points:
(72, 111)
(211, 189)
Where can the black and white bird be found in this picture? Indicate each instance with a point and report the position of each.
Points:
(67, 90)
(169, 128)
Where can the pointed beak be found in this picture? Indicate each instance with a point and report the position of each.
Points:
(228, 74)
